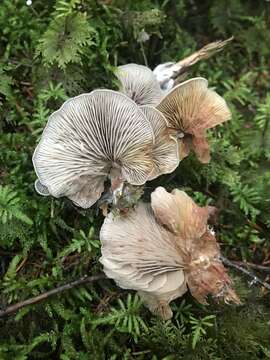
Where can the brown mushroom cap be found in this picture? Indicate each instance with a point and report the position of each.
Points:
(139, 83)
(92, 136)
(192, 108)
(179, 213)
(165, 150)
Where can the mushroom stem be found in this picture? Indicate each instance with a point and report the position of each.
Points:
(117, 192)
(117, 183)
(126, 197)
(121, 198)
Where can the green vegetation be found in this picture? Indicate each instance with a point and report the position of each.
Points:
(52, 50)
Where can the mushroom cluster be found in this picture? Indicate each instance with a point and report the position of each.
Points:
(190, 108)
(128, 136)
(107, 144)
(98, 136)
(163, 248)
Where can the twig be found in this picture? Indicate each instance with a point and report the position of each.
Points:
(34, 300)
(143, 54)
(254, 266)
(88, 279)
(255, 279)
(202, 54)
(21, 264)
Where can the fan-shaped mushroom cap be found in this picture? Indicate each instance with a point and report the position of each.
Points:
(199, 108)
(139, 83)
(158, 249)
(165, 150)
(92, 136)
(191, 108)
(139, 254)
(205, 274)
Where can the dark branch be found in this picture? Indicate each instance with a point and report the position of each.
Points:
(202, 54)
(34, 300)
(254, 278)
(257, 267)
(89, 279)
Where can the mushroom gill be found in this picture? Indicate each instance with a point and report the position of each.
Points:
(140, 254)
(190, 109)
(165, 149)
(163, 248)
(91, 137)
(139, 83)
(41, 189)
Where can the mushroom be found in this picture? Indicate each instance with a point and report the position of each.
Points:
(162, 249)
(91, 137)
(139, 83)
(100, 135)
(190, 109)
(140, 254)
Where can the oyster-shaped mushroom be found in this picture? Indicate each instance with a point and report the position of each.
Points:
(163, 248)
(165, 149)
(140, 254)
(139, 83)
(91, 137)
(190, 109)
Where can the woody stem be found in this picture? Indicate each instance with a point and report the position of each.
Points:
(254, 278)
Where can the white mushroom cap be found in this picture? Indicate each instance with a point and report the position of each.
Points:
(92, 136)
(139, 83)
(165, 150)
(191, 107)
(158, 303)
(165, 74)
(140, 254)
